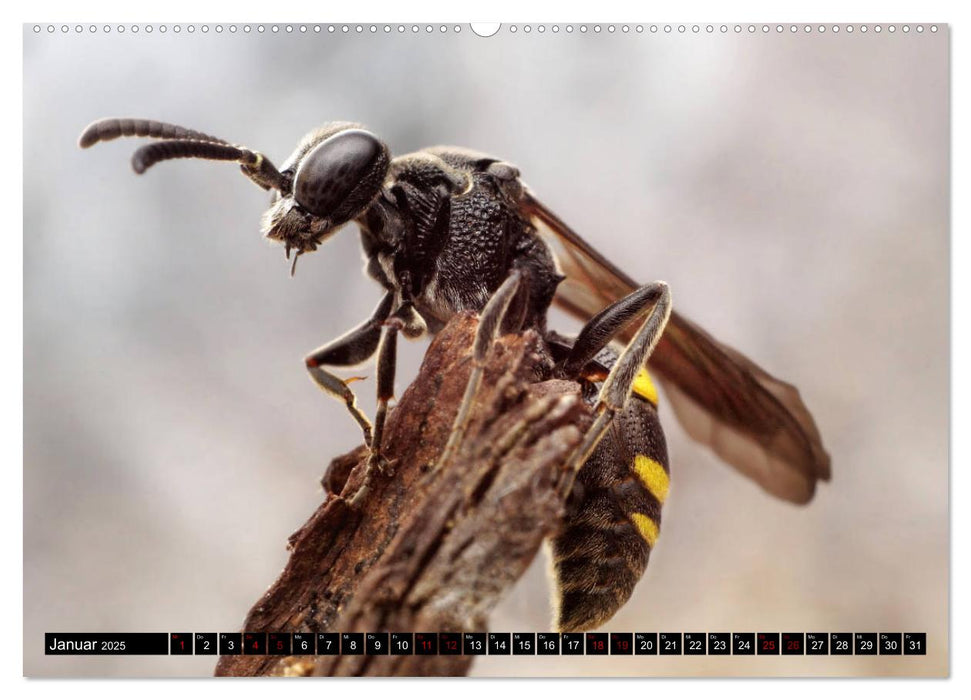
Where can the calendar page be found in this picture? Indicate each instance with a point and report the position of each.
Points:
(515, 350)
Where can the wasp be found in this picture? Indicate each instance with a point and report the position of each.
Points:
(446, 230)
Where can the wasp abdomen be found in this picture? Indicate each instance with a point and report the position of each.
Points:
(613, 519)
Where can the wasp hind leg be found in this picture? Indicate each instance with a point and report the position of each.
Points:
(490, 322)
(617, 479)
(617, 387)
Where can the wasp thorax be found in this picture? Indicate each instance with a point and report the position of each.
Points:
(340, 176)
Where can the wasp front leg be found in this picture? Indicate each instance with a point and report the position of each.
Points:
(380, 333)
(350, 349)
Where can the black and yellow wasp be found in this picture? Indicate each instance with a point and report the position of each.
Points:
(446, 230)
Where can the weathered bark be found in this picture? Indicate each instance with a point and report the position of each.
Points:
(429, 550)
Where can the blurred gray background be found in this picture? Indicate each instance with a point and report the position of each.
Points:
(791, 188)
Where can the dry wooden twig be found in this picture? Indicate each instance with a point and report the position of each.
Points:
(429, 550)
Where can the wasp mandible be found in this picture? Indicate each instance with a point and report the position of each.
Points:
(446, 230)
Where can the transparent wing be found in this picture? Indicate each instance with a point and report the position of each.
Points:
(752, 420)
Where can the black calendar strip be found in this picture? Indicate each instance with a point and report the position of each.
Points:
(104, 644)
(491, 643)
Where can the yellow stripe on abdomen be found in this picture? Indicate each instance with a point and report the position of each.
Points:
(653, 476)
(647, 527)
(644, 387)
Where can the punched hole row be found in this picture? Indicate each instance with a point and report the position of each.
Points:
(487, 31)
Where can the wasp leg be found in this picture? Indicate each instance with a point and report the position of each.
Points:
(407, 320)
(490, 322)
(350, 349)
(617, 387)
(387, 360)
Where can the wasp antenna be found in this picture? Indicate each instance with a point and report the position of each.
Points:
(147, 156)
(110, 129)
(261, 171)
(254, 165)
(180, 142)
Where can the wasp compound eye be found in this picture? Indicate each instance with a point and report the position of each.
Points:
(341, 175)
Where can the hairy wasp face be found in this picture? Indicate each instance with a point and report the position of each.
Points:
(333, 175)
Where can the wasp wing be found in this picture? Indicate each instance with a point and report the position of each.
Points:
(752, 420)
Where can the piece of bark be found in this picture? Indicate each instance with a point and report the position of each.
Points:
(430, 550)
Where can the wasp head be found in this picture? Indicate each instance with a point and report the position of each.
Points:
(332, 177)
